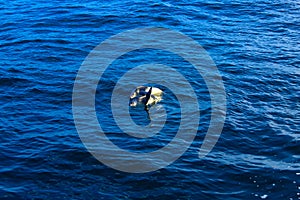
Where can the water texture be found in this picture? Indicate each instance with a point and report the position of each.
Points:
(256, 47)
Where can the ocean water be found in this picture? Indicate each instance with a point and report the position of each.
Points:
(254, 44)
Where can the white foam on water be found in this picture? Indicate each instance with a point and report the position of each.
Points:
(264, 196)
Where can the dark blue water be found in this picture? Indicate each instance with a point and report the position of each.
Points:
(256, 46)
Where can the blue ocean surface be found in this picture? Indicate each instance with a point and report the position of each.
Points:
(254, 44)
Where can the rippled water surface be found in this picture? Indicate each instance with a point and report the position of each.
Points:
(256, 47)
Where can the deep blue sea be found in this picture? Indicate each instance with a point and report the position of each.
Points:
(254, 44)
